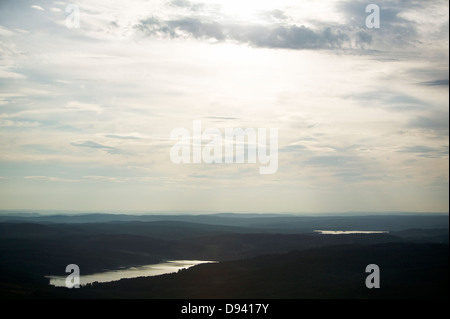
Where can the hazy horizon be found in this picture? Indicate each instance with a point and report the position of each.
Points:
(86, 112)
(50, 212)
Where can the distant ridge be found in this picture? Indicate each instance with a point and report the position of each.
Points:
(274, 222)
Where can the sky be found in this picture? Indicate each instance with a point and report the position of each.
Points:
(87, 110)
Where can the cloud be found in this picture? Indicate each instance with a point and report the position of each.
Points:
(257, 35)
(293, 148)
(49, 178)
(392, 18)
(438, 122)
(78, 106)
(360, 177)
(389, 100)
(426, 151)
(102, 178)
(10, 123)
(331, 161)
(187, 5)
(124, 137)
(41, 148)
(399, 28)
(5, 32)
(348, 167)
(191, 27)
(406, 28)
(443, 82)
(7, 74)
(275, 14)
(37, 7)
(222, 118)
(95, 145)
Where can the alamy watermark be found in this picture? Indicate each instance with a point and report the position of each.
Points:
(373, 280)
(73, 280)
(235, 145)
(73, 19)
(373, 19)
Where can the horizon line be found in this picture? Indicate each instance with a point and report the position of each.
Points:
(68, 212)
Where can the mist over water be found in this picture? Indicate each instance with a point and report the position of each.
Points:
(131, 272)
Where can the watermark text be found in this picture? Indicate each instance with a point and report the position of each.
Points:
(235, 145)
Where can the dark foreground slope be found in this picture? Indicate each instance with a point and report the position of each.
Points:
(40, 250)
(408, 270)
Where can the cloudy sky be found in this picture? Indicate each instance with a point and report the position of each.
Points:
(362, 113)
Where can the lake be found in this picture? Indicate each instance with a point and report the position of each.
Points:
(347, 232)
(131, 272)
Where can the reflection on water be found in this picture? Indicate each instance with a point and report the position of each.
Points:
(346, 232)
(132, 272)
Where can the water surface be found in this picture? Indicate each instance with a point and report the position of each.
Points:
(131, 272)
(346, 232)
